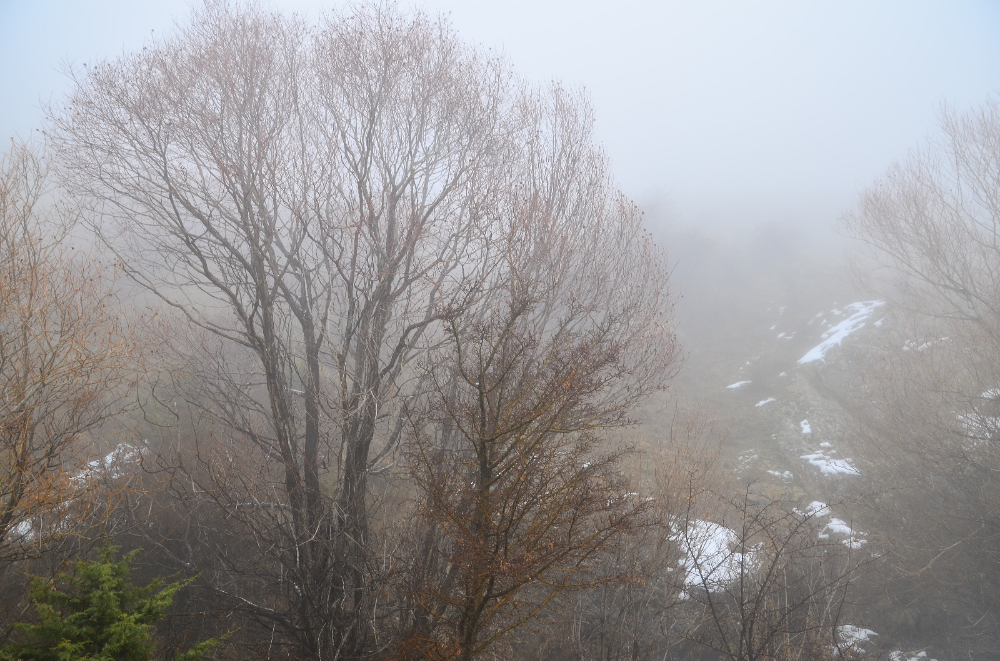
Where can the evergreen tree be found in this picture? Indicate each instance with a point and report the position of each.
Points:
(101, 616)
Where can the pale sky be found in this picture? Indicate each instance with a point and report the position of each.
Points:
(754, 112)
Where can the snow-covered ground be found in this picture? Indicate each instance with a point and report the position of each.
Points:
(833, 336)
(850, 639)
(854, 540)
(817, 508)
(710, 560)
(748, 459)
(829, 465)
(114, 465)
(909, 656)
(979, 427)
(786, 375)
(917, 345)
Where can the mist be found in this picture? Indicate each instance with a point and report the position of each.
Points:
(726, 112)
(533, 330)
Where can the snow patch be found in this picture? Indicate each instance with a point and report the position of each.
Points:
(979, 427)
(806, 428)
(830, 466)
(835, 335)
(909, 656)
(786, 475)
(839, 527)
(117, 464)
(765, 401)
(747, 459)
(850, 637)
(710, 559)
(817, 508)
(114, 464)
(24, 531)
(916, 345)
(738, 384)
(853, 539)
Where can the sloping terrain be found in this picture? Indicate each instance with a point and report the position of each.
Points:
(774, 348)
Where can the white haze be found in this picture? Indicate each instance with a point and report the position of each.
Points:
(713, 112)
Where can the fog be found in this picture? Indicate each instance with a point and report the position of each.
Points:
(293, 416)
(714, 113)
(726, 121)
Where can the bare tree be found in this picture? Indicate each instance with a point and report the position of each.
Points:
(317, 200)
(571, 334)
(636, 607)
(927, 413)
(768, 582)
(64, 361)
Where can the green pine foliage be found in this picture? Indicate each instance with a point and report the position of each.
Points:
(99, 615)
